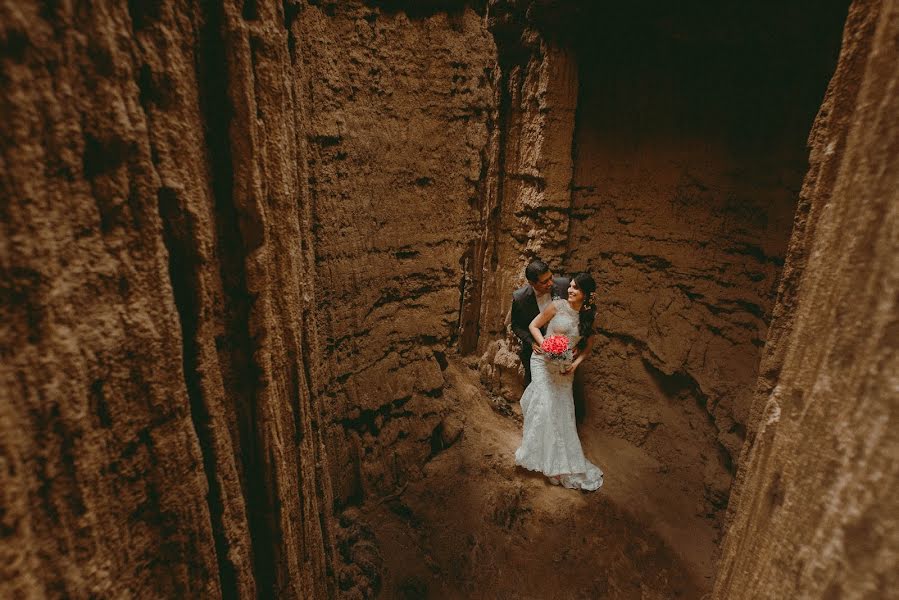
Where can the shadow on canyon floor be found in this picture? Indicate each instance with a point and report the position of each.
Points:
(476, 526)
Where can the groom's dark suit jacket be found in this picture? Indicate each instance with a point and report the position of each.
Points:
(524, 309)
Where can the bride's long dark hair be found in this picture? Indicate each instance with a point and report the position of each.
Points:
(585, 283)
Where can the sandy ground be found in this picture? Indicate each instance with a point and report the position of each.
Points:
(476, 526)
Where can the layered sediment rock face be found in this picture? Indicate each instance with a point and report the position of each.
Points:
(400, 113)
(219, 220)
(814, 507)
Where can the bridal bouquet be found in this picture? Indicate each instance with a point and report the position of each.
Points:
(557, 349)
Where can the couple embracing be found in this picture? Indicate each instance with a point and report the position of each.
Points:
(548, 313)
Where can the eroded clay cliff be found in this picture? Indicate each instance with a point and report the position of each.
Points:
(256, 257)
(397, 145)
(814, 509)
(158, 430)
(222, 255)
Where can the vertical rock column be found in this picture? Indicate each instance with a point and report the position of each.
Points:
(104, 487)
(529, 202)
(286, 483)
(399, 99)
(814, 510)
(531, 217)
(158, 430)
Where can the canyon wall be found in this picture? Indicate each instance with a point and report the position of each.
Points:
(158, 430)
(814, 506)
(400, 112)
(688, 154)
(235, 241)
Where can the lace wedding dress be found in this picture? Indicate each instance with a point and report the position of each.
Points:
(550, 443)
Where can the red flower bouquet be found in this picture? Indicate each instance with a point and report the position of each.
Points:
(556, 348)
(555, 345)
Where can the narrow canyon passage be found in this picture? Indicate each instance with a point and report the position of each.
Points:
(664, 156)
(258, 259)
(689, 151)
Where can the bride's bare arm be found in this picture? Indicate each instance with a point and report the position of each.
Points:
(539, 321)
(588, 345)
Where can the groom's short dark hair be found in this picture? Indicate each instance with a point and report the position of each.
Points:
(535, 269)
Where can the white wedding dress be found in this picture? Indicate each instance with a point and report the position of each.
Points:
(549, 443)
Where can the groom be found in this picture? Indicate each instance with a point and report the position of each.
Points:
(527, 302)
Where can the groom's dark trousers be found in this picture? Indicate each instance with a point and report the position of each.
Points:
(524, 309)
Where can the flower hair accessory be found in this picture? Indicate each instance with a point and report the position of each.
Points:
(588, 302)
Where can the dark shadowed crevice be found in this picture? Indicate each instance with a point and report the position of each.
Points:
(484, 250)
(503, 117)
(291, 10)
(250, 10)
(467, 327)
(236, 346)
(178, 233)
(305, 389)
(819, 181)
(573, 214)
(681, 385)
(471, 284)
(143, 12)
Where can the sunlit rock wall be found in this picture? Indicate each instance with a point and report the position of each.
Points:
(400, 112)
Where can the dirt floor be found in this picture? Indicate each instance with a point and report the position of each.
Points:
(476, 526)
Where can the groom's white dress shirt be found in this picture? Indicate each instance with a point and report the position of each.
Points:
(543, 300)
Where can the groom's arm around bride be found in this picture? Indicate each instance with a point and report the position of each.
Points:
(525, 307)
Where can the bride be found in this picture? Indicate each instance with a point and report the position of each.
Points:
(549, 443)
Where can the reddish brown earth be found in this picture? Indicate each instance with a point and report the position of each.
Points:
(476, 526)
(257, 260)
(157, 432)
